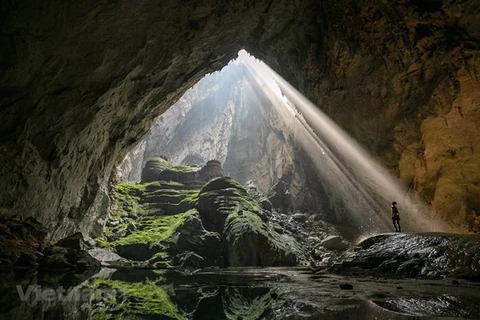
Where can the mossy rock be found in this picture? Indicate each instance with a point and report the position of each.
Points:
(153, 168)
(221, 197)
(158, 168)
(223, 183)
(132, 300)
(252, 242)
(226, 207)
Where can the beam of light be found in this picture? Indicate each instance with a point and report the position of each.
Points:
(351, 175)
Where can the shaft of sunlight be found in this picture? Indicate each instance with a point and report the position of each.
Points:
(355, 178)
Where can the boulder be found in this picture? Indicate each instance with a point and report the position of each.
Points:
(75, 241)
(251, 242)
(334, 243)
(217, 200)
(153, 168)
(68, 253)
(227, 208)
(212, 169)
(192, 236)
(137, 251)
(265, 204)
(189, 260)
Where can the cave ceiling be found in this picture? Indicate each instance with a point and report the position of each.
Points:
(82, 82)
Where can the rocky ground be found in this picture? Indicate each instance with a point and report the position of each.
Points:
(180, 216)
(187, 243)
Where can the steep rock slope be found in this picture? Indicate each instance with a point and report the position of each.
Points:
(227, 116)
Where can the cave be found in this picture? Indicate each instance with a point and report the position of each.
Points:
(82, 84)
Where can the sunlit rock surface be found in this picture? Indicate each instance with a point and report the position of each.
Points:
(432, 255)
(227, 116)
(81, 84)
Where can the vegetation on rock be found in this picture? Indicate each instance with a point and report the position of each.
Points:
(133, 300)
(158, 221)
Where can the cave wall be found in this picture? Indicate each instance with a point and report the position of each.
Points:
(408, 73)
(229, 117)
(80, 83)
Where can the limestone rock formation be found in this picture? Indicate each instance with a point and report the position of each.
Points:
(431, 255)
(69, 253)
(172, 222)
(21, 242)
(213, 169)
(228, 116)
(226, 207)
(152, 169)
(80, 85)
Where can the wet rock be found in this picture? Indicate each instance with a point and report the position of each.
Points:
(413, 266)
(137, 251)
(191, 236)
(69, 253)
(334, 243)
(75, 241)
(104, 255)
(189, 260)
(429, 255)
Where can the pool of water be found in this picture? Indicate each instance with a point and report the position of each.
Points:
(246, 293)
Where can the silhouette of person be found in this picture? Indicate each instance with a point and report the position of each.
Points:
(396, 217)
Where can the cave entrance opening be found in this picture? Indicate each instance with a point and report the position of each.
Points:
(266, 133)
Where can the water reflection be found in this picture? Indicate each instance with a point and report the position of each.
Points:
(209, 294)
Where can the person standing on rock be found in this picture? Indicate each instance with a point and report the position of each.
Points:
(396, 217)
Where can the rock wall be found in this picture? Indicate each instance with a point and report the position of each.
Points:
(410, 93)
(81, 82)
(228, 116)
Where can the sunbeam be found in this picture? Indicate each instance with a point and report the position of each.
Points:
(352, 176)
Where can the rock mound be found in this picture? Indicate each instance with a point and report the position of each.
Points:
(153, 168)
(213, 169)
(226, 207)
(429, 255)
(69, 253)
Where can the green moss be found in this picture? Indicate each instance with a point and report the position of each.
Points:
(161, 164)
(238, 308)
(133, 300)
(245, 222)
(154, 229)
(138, 205)
(127, 197)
